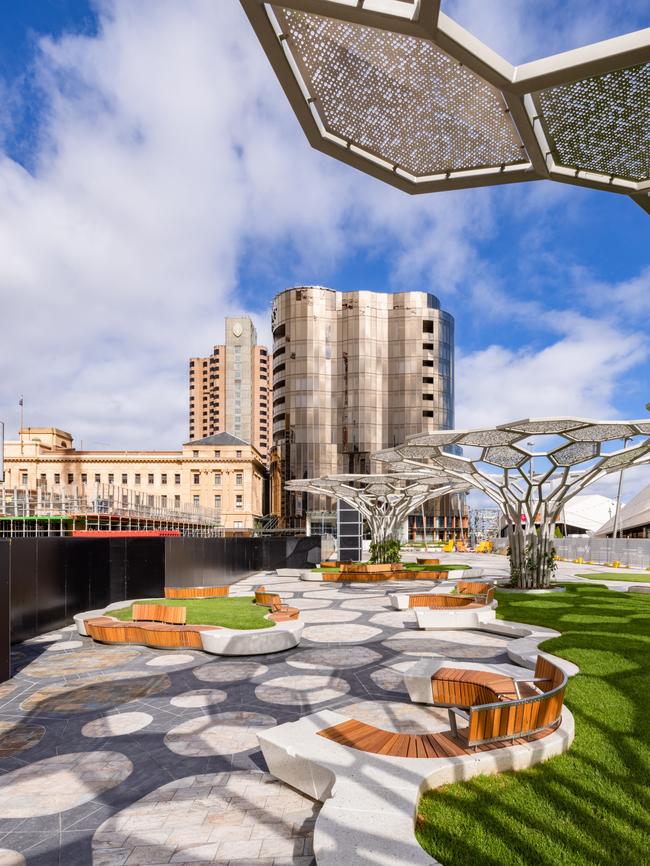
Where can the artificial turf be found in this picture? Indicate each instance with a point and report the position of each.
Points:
(591, 806)
(608, 575)
(413, 566)
(227, 612)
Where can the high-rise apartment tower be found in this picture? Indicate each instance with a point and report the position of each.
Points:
(230, 391)
(353, 372)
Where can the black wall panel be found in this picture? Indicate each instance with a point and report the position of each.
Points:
(45, 581)
(5, 611)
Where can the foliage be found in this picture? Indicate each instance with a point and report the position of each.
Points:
(588, 807)
(385, 551)
(227, 612)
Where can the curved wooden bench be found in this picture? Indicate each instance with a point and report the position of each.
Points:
(159, 613)
(107, 629)
(467, 687)
(507, 719)
(441, 744)
(280, 612)
(197, 591)
(430, 599)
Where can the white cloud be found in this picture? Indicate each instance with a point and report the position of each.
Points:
(166, 155)
(577, 374)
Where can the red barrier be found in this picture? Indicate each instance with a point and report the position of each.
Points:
(126, 533)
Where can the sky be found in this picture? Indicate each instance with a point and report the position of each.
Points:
(153, 179)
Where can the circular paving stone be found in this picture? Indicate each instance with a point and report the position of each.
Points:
(329, 615)
(301, 690)
(170, 661)
(79, 663)
(452, 644)
(97, 694)
(340, 633)
(229, 672)
(60, 783)
(374, 603)
(117, 725)
(11, 858)
(220, 734)
(216, 817)
(310, 603)
(199, 698)
(64, 645)
(391, 677)
(334, 658)
(394, 619)
(17, 737)
(398, 717)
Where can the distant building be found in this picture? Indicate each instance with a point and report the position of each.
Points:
(355, 372)
(218, 478)
(229, 391)
(634, 518)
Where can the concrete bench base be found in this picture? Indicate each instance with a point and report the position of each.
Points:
(224, 641)
(455, 617)
(371, 800)
(524, 648)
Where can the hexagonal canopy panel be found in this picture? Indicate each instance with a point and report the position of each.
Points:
(401, 91)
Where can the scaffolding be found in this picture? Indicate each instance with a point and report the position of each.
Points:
(67, 511)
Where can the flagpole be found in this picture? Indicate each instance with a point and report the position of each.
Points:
(20, 435)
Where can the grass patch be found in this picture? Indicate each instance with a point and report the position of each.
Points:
(327, 570)
(605, 575)
(413, 566)
(227, 612)
(591, 806)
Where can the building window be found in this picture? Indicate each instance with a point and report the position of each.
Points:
(427, 363)
(150, 477)
(427, 396)
(163, 501)
(163, 478)
(237, 524)
(125, 478)
(428, 346)
(24, 479)
(98, 478)
(196, 500)
(195, 453)
(217, 503)
(150, 500)
(177, 478)
(239, 478)
(427, 413)
(239, 501)
(84, 478)
(57, 478)
(427, 380)
(217, 453)
(177, 502)
(137, 477)
(196, 477)
(427, 326)
(217, 478)
(111, 478)
(238, 455)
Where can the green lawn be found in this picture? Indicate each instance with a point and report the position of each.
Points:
(228, 612)
(590, 807)
(327, 570)
(620, 575)
(413, 566)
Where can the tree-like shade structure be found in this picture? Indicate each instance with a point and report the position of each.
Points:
(386, 500)
(531, 469)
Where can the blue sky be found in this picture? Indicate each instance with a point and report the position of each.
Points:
(153, 179)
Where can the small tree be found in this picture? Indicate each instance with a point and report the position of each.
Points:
(385, 551)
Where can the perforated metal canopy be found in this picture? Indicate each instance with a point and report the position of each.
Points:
(399, 90)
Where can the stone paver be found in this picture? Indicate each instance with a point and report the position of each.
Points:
(222, 817)
(60, 783)
(195, 719)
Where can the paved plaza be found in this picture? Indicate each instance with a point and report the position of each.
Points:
(128, 755)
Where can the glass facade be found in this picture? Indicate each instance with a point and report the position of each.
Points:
(353, 372)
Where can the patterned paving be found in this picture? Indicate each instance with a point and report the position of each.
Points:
(127, 755)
